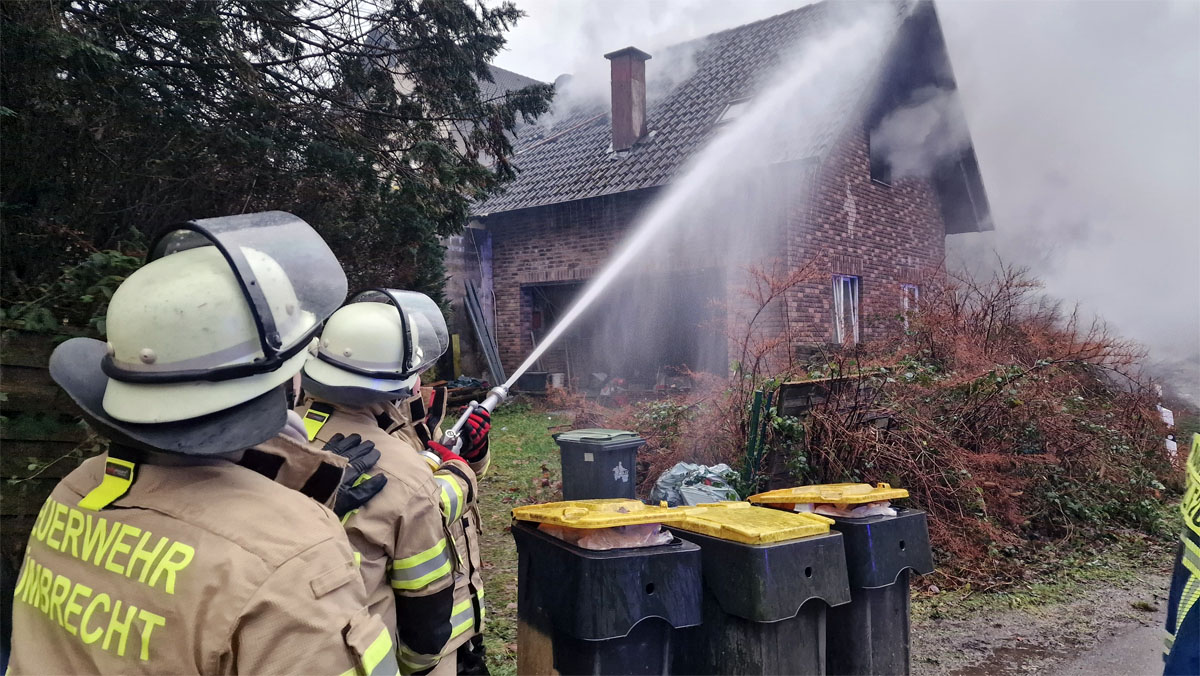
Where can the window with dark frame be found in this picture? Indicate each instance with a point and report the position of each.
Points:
(846, 294)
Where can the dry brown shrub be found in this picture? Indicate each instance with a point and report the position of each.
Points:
(1012, 419)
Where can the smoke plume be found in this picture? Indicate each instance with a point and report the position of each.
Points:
(571, 38)
(918, 136)
(1086, 121)
(1085, 118)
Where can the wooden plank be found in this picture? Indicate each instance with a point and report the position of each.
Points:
(22, 348)
(18, 455)
(14, 536)
(32, 389)
(68, 331)
(42, 427)
(26, 497)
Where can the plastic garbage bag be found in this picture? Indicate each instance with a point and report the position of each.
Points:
(691, 484)
(853, 511)
(618, 537)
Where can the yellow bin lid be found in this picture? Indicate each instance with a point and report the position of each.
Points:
(827, 494)
(745, 523)
(603, 513)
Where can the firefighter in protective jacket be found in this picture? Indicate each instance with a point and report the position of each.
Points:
(173, 553)
(418, 423)
(364, 379)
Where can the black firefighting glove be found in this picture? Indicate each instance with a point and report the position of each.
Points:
(357, 486)
(475, 434)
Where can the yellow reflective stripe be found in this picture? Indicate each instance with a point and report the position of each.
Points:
(1191, 592)
(418, 570)
(118, 477)
(461, 618)
(375, 660)
(412, 661)
(486, 464)
(358, 559)
(410, 561)
(1168, 642)
(1190, 508)
(452, 498)
(1191, 556)
(313, 422)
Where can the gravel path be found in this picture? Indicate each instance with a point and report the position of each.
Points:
(1101, 629)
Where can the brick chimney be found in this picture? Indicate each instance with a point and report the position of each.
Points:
(628, 96)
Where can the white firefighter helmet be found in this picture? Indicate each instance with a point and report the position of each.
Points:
(376, 346)
(218, 318)
(187, 312)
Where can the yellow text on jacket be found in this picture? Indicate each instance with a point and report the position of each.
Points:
(117, 547)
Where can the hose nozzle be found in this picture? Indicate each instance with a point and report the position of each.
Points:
(452, 439)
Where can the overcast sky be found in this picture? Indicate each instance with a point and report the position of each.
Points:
(572, 36)
(1085, 116)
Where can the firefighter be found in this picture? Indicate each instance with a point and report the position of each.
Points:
(172, 553)
(420, 424)
(1182, 644)
(365, 379)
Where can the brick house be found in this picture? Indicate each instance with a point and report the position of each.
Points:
(587, 177)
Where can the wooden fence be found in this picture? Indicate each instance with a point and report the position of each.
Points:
(42, 437)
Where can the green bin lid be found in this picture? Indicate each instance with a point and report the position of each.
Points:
(597, 436)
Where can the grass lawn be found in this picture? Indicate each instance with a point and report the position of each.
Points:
(524, 470)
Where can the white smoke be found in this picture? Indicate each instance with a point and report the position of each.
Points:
(1085, 118)
(919, 135)
(560, 37)
(1086, 121)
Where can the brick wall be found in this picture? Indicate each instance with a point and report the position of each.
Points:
(886, 235)
(557, 243)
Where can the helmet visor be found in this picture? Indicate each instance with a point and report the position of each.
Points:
(424, 326)
(290, 279)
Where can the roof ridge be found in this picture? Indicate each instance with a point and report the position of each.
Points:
(513, 72)
(774, 17)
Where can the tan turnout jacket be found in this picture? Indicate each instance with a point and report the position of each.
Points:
(409, 563)
(201, 567)
(466, 530)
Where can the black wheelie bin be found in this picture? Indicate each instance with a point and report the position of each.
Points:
(615, 611)
(869, 635)
(769, 580)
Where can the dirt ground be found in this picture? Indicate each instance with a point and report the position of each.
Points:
(1101, 626)
(1102, 615)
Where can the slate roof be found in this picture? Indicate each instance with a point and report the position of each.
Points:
(569, 159)
(503, 81)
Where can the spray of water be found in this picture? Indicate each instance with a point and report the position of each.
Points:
(800, 93)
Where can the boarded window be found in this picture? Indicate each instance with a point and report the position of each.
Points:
(845, 308)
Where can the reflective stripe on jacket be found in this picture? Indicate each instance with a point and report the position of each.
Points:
(1181, 646)
(464, 523)
(408, 560)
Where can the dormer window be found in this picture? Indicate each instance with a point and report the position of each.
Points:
(734, 110)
